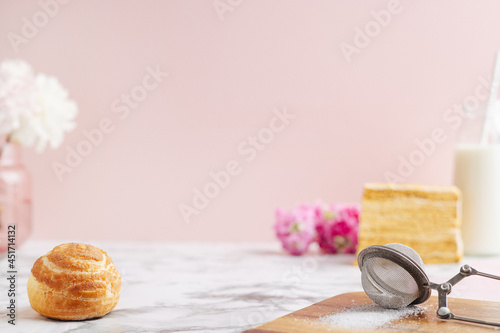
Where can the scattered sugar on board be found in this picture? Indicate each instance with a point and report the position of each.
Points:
(369, 316)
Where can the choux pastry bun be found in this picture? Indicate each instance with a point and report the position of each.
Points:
(74, 282)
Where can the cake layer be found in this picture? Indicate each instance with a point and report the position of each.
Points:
(403, 223)
(432, 252)
(396, 206)
(429, 192)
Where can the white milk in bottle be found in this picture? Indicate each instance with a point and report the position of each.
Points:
(477, 171)
(477, 174)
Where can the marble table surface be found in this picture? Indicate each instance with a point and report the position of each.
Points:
(214, 287)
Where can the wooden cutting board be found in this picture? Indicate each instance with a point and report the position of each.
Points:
(307, 320)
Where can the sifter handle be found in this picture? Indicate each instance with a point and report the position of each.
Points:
(445, 288)
(445, 313)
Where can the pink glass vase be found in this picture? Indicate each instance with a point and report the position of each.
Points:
(15, 197)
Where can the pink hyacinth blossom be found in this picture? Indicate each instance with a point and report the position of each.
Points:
(295, 229)
(337, 227)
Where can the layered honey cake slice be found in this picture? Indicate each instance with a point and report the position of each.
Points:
(425, 218)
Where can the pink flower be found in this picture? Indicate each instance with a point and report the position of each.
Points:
(296, 244)
(337, 227)
(295, 229)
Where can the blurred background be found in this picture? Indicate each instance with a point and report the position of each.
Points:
(296, 100)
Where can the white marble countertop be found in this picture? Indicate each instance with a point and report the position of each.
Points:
(213, 287)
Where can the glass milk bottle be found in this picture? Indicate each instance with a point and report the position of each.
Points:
(477, 174)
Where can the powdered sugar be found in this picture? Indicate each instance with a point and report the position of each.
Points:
(369, 316)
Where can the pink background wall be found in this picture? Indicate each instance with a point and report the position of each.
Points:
(352, 120)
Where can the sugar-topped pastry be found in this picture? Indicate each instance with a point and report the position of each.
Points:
(74, 282)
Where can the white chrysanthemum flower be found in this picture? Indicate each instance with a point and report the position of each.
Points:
(34, 110)
(17, 90)
(53, 115)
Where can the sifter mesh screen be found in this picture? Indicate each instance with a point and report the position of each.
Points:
(388, 283)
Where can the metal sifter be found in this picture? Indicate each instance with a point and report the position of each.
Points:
(393, 276)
